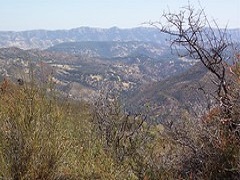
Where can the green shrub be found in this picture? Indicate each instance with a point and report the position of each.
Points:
(30, 138)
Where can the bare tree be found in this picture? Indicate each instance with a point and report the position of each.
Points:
(212, 147)
(193, 35)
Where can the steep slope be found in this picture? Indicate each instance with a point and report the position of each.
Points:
(170, 99)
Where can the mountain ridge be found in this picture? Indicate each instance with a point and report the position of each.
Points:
(43, 39)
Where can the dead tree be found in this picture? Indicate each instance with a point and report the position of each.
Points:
(191, 34)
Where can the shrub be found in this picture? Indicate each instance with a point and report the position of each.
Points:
(30, 138)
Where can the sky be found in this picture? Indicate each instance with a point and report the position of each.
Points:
(19, 15)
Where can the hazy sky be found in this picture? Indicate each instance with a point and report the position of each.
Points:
(66, 14)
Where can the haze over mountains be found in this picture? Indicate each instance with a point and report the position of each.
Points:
(84, 61)
(43, 39)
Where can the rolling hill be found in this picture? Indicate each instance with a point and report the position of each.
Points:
(114, 66)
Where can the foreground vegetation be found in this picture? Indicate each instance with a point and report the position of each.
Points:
(43, 136)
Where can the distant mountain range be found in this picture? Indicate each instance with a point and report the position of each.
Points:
(136, 62)
(43, 39)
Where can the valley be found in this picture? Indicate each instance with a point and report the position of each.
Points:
(82, 63)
